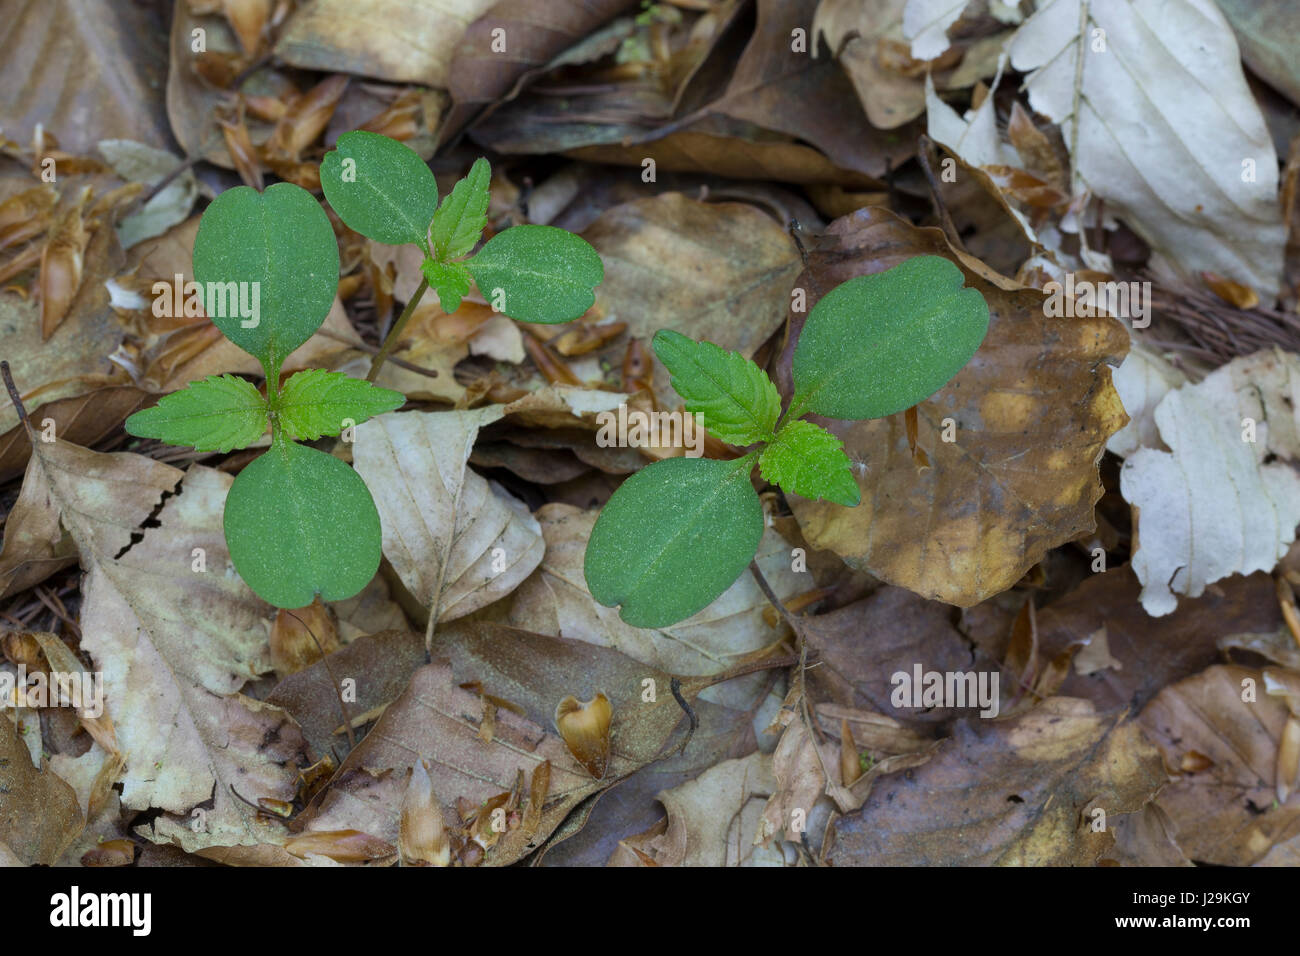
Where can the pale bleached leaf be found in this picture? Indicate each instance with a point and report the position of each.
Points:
(1215, 504)
(1163, 128)
(457, 541)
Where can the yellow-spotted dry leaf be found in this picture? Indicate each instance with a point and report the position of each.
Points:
(1013, 440)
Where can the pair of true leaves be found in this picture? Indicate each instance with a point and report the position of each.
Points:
(299, 522)
(679, 532)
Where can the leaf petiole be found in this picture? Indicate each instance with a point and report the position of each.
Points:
(390, 341)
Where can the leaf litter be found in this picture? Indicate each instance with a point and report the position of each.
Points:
(1095, 517)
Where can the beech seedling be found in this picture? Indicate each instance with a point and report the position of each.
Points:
(300, 522)
(679, 532)
(382, 189)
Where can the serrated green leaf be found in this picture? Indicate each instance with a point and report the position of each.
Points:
(381, 188)
(218, 413)
(449, 279)
(460, 219)
(538, 273)
(275, 250)
(315, 403)
(879, 344)
(739, 403)
(299, 523)
(809, 461)
(672, 538)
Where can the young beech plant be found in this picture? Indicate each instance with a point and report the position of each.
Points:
(680, 531)
(300, 522)
(382, 189)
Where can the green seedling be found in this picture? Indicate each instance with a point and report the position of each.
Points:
(385, 191)
(299, 522)
(679, 532)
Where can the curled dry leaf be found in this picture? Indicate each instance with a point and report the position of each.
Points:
(62, 260)
(422, 835)
(584, 726)
(345, 846)
(1029, 417)
(302, 636)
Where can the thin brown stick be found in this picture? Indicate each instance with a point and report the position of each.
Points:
(776, 602)
(14, 397)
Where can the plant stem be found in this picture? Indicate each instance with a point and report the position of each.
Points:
(395, 332)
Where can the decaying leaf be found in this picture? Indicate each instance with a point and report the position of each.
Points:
(39, 815)
(155, 672)
(1047, 779)
(436, 719)
(1013, 439)
(1225, 813)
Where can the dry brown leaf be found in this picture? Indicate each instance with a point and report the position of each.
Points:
(1152, 652)
(174, 644)
(437, 719)
(39, 813)
(1145, 838)
(120, 490)
(82, 419)
(712, 819)
(1018, 791)
(555, 600)
(861, 646)
(402, 41)
(1226, 814)
(87, 72)
(780, 88)
(721, 272)
(479, 78)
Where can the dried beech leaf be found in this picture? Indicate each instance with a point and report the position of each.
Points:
(1029, 417)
